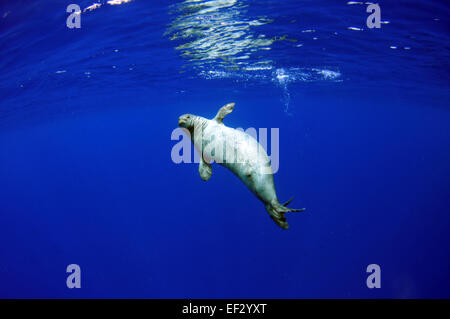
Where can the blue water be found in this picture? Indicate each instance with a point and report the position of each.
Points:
(86, 175)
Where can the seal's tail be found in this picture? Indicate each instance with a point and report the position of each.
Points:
(277, 211)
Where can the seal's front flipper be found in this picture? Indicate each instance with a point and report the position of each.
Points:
(224, 110)
(205, 170)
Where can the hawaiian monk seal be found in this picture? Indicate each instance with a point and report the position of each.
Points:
(240, 153)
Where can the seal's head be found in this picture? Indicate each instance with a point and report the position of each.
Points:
(186, 121)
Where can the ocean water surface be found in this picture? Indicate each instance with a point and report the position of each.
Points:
(87, 177)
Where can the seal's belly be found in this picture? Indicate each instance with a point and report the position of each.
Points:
(241, 154)
(225, 145)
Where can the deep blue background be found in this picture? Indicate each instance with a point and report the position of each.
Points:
(86, 175)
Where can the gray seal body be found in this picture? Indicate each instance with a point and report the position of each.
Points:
(238, 152)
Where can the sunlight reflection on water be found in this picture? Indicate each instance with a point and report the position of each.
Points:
(219, 40)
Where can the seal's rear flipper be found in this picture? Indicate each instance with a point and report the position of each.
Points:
(277, 211)
(287, 203)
